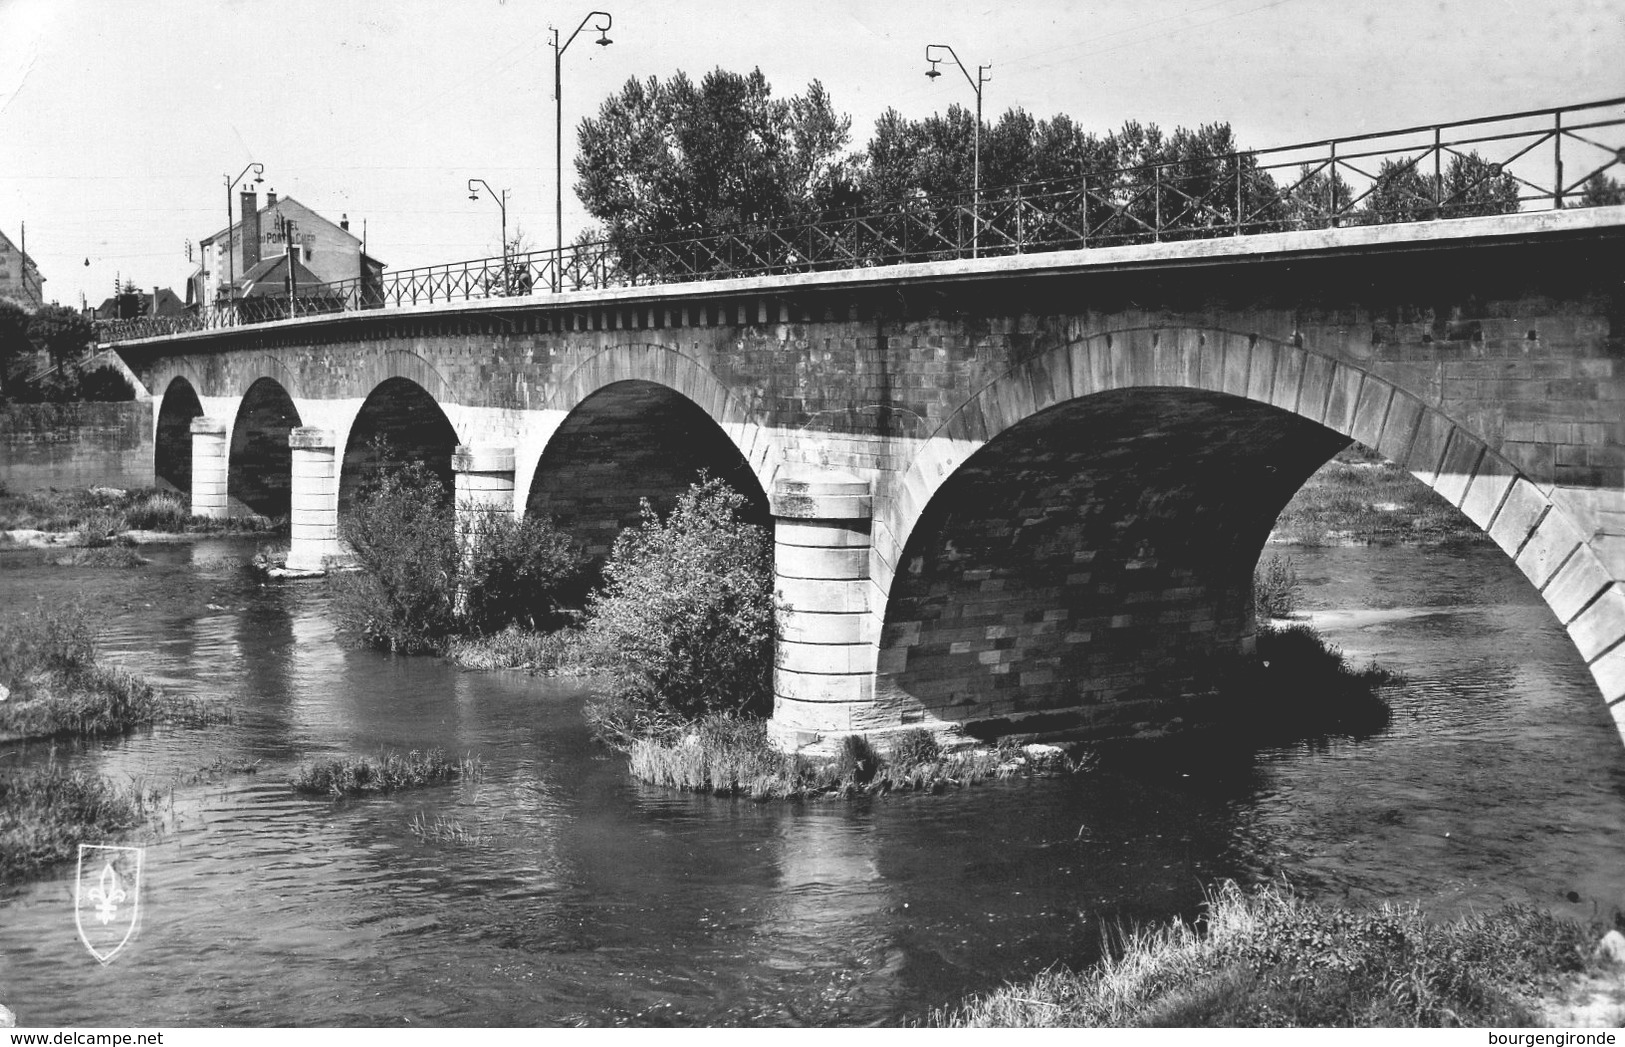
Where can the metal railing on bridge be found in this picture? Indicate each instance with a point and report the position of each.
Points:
(1533, 160)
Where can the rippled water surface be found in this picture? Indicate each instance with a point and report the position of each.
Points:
(587, 898)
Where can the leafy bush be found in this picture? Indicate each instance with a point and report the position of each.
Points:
(402, 532)
(515, 573)
(683, 625)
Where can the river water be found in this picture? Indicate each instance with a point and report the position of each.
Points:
(583, 897)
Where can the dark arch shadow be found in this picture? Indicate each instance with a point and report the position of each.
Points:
(172, 443)
(259, 477)
(1092, 558)
(629, 441)
(399, 423)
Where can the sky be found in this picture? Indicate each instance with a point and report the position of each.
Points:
(121, 121)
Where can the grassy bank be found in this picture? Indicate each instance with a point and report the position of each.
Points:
(95, 515)
(1271, 959)
(548, 654)
(387, 773)
(46, 813)
(54, 686)
(725, 756)
(1360, 496)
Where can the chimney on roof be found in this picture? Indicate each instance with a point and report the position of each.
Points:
(155, 301)
(270, 198)
(250, 231)
(344, 222)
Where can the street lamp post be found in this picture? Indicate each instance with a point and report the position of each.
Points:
(976, 86)
(501, 200)
(231, 183)
(558, 137)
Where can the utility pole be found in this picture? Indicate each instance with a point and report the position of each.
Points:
(293, 281)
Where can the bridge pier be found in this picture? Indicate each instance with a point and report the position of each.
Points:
(314, 499)
(483, 485)
(823, 675)
(210, 463)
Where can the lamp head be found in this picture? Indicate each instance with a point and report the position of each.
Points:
(933, 72)
(474, 196)
(603, 36)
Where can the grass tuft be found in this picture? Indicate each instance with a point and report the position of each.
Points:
(46, 813)
(444, 830)
(389, 772)
(56, 687)
(551, 654)
(1269, 958)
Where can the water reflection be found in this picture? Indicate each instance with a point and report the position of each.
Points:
(566, 893)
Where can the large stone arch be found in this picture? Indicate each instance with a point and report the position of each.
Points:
(1541, 537)
(259, 473)
(399, 422)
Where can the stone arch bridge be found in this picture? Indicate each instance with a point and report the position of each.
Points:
(1008, 493)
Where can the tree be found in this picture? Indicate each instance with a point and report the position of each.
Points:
(65, 337)
(1316, 199)
(1470, 185)
(1400, 193)
(1140, 183)
(677, 159)
(1602, 191)
(16, 348)
(1475, 186)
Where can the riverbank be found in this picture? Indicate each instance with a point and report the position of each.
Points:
(46, 813)
(1359, 497)
(99, 516)
(1269, 958)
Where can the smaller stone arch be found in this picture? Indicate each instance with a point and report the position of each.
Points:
(271, 366)
(399, 422)
(172, 436)
(682, 374)
(404, 364)
(633, 441)
(259, 471)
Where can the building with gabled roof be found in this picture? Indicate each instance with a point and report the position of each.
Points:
(324, 252)
(20, 279)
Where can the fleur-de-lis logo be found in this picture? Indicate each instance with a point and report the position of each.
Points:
(107, 894)
(107, 897)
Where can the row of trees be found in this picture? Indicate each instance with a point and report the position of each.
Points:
(675, 159)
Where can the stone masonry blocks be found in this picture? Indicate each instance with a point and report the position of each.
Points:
(824, 659)
(1495, 475)
(1601, 625)
(314, 499)
(1554, 541)
(210, 463)
(1522, 509)
(1575, 585)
